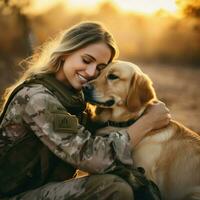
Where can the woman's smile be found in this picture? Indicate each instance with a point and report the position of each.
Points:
(82, 79)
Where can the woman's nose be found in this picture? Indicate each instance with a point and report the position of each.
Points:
(91, 70)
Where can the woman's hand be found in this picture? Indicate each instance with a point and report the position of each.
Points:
(156, 116)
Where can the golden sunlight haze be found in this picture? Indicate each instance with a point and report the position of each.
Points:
(139, 6)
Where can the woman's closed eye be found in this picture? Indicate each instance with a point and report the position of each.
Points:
(86, 61)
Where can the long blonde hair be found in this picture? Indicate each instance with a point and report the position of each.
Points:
(49, 59)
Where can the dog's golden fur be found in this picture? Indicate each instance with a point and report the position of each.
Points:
(171, 155)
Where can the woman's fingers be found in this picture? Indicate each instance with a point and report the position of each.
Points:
(157, 108)
(162, 123)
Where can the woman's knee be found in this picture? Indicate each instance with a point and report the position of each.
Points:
(110, 186)
(122, 189)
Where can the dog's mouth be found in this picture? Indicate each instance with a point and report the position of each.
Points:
(107, 103)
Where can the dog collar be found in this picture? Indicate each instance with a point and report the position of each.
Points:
(123, 124)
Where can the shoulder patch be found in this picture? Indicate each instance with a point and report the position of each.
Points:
(64, 122)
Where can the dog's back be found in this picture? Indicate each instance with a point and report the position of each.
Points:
(171, 158)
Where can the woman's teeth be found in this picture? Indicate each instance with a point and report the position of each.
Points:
(82, 78)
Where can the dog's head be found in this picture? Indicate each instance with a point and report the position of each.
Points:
(120, 86)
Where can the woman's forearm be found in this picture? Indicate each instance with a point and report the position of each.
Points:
(138, 130)
(157, 116)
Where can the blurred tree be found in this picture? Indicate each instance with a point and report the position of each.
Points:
(108, 8)
(14, 39)
(17, 8)
(190, 8)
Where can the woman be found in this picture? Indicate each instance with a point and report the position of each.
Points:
(44, 135)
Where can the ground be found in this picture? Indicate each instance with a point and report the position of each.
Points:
(178, 87)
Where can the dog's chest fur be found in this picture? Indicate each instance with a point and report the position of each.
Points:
(148, 151)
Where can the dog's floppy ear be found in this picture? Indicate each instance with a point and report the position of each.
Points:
(140, 92)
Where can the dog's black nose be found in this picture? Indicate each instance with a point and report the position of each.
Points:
(88, 88)
(88, 91)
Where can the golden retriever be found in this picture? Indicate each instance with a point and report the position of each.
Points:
(171, 155)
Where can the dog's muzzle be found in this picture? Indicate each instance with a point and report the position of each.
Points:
(88, 91)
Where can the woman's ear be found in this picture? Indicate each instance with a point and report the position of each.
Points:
(61, 61)
(63, 58)
(140, 92)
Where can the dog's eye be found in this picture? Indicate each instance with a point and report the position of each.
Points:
(112, 77)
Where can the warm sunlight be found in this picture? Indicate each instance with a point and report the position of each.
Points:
(139, 6)
(83, 5)
(146, 6)
(39, 6)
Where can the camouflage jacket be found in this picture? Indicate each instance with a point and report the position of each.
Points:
(35, 114)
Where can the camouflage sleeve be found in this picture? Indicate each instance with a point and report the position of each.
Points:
(70, 141)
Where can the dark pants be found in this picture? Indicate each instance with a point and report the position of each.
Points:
(94, 187)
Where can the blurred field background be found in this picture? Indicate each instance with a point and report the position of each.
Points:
(161, 36)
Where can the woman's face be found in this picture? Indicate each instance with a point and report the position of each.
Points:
(84, 64)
